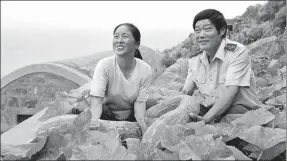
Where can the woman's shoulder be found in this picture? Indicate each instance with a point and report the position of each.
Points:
(143, 65)
(106, 62)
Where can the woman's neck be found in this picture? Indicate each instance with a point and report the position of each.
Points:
(126, 62)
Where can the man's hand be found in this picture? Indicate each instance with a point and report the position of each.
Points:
(222, 104)
(196, 118)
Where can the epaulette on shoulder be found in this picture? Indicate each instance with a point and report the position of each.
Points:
(230, 47)
(195, 53)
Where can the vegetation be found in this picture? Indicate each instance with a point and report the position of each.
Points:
(256, 135)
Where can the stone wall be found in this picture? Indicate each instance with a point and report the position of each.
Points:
(28, 95)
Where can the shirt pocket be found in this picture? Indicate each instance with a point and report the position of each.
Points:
(222, 78)
(198, 79)
(222, 74)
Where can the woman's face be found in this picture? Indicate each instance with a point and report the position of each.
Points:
(124, 42)
(207, 36)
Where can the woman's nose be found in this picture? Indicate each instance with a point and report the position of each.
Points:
(120, 39)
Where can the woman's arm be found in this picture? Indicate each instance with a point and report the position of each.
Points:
(96, 106)
(140, 109)
(98, 89)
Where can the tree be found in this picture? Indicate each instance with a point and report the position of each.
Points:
(280, 18)
(251, 11)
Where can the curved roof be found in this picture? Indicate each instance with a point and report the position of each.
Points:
(54, 68)
(79, 70)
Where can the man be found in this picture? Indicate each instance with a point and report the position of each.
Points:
(221, 70)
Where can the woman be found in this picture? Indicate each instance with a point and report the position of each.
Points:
(119, 88)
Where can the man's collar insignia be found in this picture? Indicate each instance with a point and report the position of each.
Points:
(230, 47)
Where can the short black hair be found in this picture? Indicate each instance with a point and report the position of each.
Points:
(136, 34)
(215, 17)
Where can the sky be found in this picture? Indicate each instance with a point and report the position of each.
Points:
(41, 31)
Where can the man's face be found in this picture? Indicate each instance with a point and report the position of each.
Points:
(207, 36)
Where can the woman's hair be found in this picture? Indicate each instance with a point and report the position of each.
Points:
(215, 17)
(136, 34)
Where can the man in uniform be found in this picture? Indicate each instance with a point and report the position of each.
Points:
(221, 70)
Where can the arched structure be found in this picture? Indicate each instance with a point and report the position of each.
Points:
(54, 68)
(31, 88)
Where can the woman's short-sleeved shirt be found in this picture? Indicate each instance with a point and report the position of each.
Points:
(109, 82)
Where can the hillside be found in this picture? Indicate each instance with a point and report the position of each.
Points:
(87, 64)
(268, 49)
(255, 23)
(256, 135)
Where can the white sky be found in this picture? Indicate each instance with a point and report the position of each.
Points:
(107, 14)
(40, 31)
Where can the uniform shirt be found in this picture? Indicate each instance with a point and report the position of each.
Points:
(231, 65)
(118, 92)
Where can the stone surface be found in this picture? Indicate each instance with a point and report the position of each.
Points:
(30, 94)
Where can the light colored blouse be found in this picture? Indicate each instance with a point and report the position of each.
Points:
(120, 93)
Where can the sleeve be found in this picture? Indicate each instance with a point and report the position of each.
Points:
(144, 85)
(239, 70)
(99, 81)
(189, 79)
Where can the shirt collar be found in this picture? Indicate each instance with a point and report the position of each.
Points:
(220, 53)
(203, 56)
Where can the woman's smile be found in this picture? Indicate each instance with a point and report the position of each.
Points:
(120, 48)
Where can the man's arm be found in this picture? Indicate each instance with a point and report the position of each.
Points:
(96, 106)
(191, 87)
(238, 75)
(140, 110)
(222, 104)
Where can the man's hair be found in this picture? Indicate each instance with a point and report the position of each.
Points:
(215, 17)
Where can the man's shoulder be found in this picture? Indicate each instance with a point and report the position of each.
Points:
(196, 54)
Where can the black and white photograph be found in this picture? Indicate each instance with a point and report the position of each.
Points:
(143, 80)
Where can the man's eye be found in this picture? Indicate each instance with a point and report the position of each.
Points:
(125, 36)
(116, 36)
(197, 30)
(207, 29)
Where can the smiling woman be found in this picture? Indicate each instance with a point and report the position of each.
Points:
(119, 88)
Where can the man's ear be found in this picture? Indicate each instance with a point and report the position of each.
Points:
(222, 31)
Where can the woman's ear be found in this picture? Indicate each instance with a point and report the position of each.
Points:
(138, 44)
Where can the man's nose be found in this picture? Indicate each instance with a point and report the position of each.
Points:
(201, 34)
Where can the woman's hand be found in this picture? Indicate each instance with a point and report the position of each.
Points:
(140, 109)
(142, 125)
